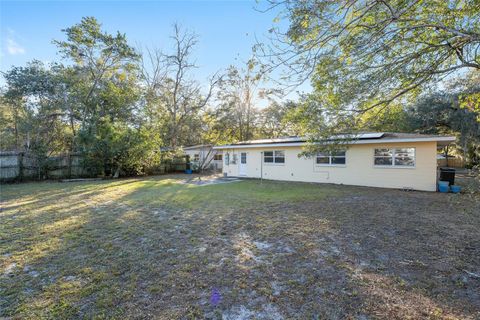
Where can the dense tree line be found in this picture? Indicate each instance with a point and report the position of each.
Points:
(119, 107)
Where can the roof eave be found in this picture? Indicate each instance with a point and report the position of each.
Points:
(368, 141)
(202, 146)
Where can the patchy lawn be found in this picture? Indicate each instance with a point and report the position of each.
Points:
(154, 247)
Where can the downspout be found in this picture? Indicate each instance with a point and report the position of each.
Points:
(261, 166)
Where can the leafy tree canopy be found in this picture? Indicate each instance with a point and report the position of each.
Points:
(362, 55)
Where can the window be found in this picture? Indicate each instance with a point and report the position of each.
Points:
(395, 157)
(196, 157)
(331, 158)
(227, 159)
(383, 157)
(217, 157)
(405, 157)
(268, 157)
(276, 156)
(243, 158)
(234, 158)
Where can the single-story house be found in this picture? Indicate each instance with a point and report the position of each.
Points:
(387, 160)
(204, 156)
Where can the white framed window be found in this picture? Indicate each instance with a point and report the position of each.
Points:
(243, 158)
(337, 158)
(196, 157)
(234, 158)
(274, 157)
(217, 157)
(394, 157)
(227, 159)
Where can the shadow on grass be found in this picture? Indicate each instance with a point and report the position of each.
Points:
(156, 247)
(47, 192)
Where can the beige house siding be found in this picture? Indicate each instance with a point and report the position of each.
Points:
(358, 170)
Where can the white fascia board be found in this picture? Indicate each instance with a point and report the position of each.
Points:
(263, 145)
(372, 141)
(433, 139)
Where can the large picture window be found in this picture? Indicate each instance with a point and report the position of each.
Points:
(331, 158)
(276, 156)
(395, 157)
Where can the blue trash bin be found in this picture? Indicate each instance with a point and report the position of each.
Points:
(455, 189)
(443, 186)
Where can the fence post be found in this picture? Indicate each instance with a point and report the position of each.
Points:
(69, 162)
(20, 165)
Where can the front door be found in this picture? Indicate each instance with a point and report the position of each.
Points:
(242, 171)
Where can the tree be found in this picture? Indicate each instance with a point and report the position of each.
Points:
(393, 119)
(103, 85)
(33, 112)
(33, 100)
(363, 55)
(102, 62)
(274, 120)
(8, 126)
(118, 148)
(172, 95)
(469, 89)
(238, 95)
(443, 113)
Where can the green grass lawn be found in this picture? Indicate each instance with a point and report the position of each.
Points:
(154, 247)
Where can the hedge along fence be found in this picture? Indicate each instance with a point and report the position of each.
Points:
(169, 165)
(24, 166)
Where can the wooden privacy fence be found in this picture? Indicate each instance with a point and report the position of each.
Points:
(452, 163)
(19, 166)
(24, 166)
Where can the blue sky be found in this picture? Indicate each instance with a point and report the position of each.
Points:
(227, 29)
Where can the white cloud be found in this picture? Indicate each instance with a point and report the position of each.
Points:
(13, 47)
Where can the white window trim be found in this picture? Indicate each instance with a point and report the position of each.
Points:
(393, 166)
(330, 164)
(240, 162)
(273, 157)
(226, 159)
(234, 158)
